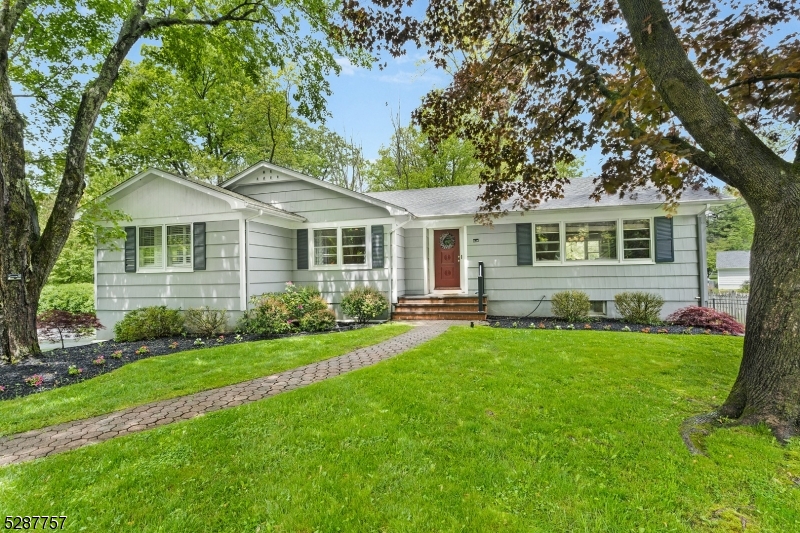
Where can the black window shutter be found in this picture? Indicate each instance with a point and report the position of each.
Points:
(377, 246)
(665, 248)
(199, 241)
(302, 249)
(524, 245)
(130, 249)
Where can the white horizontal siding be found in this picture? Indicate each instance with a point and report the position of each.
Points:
(218, 286)
(271, 255)
(414, 262)
(517, 290)
(732, 278)
(335, 283)
(317, 204)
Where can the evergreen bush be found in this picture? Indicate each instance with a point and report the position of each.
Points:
(572, 306)
(364, 304)
(149, 323)
(639, 307)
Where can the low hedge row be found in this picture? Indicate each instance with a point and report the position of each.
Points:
(638, 307)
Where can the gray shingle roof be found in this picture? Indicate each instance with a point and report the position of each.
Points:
(463, 199)
(733, 259)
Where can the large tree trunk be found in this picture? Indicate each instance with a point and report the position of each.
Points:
(768, 386)
(20, 283)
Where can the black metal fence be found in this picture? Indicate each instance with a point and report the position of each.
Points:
(735, 304)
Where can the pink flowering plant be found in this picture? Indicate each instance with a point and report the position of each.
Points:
(100, 361)
(2, 388)
(274, 313)
(143, 350)
(74, 370)
(173, 345)
(117, 354)
(35, 380)
(220, 339)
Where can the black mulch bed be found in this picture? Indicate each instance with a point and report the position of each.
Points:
(595, 324)
(53, 366)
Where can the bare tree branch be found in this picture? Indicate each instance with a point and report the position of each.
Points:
(758, 79)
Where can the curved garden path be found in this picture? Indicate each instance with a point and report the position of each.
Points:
(71, 435)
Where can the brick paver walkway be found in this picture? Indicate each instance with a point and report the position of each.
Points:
(70, 435)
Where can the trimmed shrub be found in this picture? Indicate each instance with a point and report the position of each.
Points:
(572, 306)
(705, 317)
(302, 300)
(149, 323)
(73, 297)
(364, 304)
(274, 313)
(319, 320)
(206, 321)
(269, 316)
(639, 307)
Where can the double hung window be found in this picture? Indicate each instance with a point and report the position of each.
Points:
(161, 246)
(340, 246)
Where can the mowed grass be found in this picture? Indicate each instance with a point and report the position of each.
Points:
(178, 374)
(478, 430)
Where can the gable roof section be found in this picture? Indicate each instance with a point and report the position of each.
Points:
(463, 199)
(234, 199)
(738, 259)
(367, 198)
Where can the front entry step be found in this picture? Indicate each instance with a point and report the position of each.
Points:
(434, 307)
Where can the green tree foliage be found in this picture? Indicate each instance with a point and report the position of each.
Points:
(65, 58)
(409, 162)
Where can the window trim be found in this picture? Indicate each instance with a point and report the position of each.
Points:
(164, 267)
(604, 312)
(584, 262)
(367, 265)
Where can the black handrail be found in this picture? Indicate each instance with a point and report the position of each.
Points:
(480, 286)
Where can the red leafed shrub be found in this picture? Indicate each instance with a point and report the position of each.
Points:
(53, 324)
(705, 317)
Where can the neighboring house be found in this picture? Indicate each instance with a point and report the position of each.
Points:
(191, 244)
(733, 269)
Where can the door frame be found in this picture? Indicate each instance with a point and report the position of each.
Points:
(430, 272)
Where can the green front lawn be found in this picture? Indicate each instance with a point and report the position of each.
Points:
(168, 376)
(478, 430)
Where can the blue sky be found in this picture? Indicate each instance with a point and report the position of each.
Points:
(364, 101)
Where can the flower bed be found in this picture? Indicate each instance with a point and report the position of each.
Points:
(596, 324)
(88, 361)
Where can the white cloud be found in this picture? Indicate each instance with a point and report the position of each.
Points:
(409, 77)
(348, 69)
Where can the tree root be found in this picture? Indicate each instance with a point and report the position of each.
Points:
(704, 424)
(700, 424)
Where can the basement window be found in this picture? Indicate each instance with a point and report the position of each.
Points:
(597, 307)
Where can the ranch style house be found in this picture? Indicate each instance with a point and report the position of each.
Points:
(192, 244)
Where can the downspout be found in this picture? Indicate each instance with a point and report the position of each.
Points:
(702, 260)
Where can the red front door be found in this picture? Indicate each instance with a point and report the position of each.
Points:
(446, 259)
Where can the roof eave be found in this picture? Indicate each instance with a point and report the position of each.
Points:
(394, 210)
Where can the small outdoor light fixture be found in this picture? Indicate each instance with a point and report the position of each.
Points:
(472, 324)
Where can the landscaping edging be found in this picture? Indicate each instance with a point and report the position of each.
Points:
(595, 324)
(53, 366)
